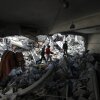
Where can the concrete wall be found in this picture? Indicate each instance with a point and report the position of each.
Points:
(94, 43)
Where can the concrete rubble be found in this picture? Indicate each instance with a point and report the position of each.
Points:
(71, 77)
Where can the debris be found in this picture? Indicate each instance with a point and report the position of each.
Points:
(72, 71)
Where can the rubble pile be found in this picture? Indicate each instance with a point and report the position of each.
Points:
(75, 43)
(76, 74)
(20, 79)
(81, 87)
(71, 77)
(33, 47)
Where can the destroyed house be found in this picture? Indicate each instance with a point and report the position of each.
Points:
(49, 49)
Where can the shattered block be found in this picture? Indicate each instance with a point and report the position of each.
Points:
(82, 98)
(10, 91)
(90, 85)
(80, 92)
(92, 96)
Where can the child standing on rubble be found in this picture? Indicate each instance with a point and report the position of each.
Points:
(65, 47)
(48, 52)
(42, 54)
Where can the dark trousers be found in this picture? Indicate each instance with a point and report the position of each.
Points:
(65, 51)
(43, 58)
(40, 60)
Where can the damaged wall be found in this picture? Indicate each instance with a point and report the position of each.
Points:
(94, 43)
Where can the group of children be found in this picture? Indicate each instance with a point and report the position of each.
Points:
(47, 51)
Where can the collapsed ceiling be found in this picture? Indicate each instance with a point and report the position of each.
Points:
(48, 16)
